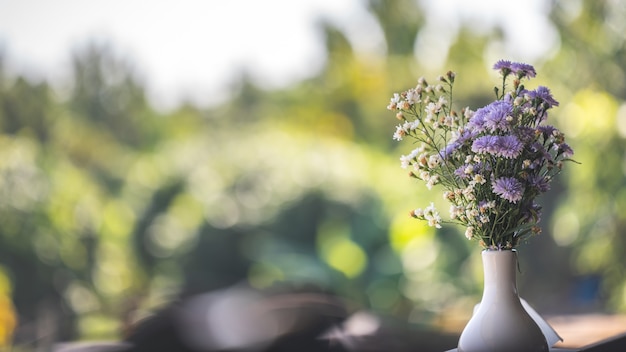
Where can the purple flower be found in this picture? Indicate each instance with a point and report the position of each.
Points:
(523, 70)
(525, 134)
(482, 168)
(541, 152)
(449, 149)
(504, 66)
(508, 188)
(509, 146)
(540, 183)
(547, 130)
(485, 144)
(492, 117)
(452, 147)
(477, 122)
(565, 150)
(466, 135)
(461, 172)
(543, 93)
(496, 116)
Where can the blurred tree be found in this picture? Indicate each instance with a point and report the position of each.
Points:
(589, 70)
(401, 21)
(107, 92)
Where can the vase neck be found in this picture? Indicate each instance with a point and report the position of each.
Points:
(500, 272)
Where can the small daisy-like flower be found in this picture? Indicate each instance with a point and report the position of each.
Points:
(456, 211)
(442, 102)
(432, 181)
(433, 161)
(484, 206)
(399, 134)
(405, 161)
(393, 103)
(432, 109)
(468, 193)
(471, 213)
(418, 213)
(422, 159)
(469, 232)
(479, 179)
(432, 216)
(413, 96)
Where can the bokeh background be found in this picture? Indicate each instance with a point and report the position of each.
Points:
(122, 189)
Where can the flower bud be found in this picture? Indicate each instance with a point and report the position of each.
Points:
(451, 76)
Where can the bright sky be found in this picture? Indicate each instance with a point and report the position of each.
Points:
(192, 48)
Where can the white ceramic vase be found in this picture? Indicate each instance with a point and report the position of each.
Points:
(501, 324)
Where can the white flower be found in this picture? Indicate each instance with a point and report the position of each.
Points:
(478, 178)
(400, 132)
(456, 211)
(412, 96)
(471, 213)
(442, 101)
(432, 216)
(468, 113)
(434, 223)
(468, 193)
(411, 125)
(393, 103)
(486, 206)
(405, 161)
(422, 159)
(469, 232)
(434, 160)
(450, 121)
(433, 180)
(432, 108)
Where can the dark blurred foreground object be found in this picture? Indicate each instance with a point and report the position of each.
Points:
(243, 320)
(239, 319)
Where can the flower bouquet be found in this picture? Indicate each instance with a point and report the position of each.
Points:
(493, 163)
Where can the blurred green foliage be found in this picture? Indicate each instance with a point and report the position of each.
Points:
(110, 208)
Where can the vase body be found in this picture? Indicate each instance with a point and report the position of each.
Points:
(501, 324)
